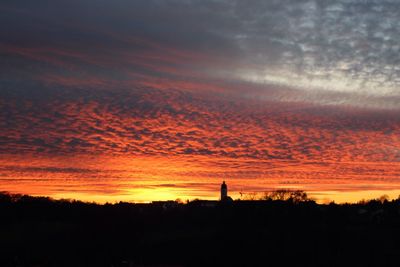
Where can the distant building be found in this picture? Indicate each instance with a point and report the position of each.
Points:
(224, 192)
(204, 203)
(168, 204)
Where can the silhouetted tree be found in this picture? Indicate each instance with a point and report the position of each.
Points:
(294, 196)
(383, 198)
(250, 196)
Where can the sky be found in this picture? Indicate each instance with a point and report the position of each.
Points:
(154, 100)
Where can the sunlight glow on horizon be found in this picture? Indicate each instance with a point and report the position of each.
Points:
(114, 179)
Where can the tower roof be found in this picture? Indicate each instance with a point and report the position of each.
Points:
(223, 185)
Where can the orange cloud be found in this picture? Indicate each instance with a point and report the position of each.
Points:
(131, 143)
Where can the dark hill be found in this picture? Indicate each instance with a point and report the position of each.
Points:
(45, 232)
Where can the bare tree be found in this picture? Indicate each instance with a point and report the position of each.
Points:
(294, 196)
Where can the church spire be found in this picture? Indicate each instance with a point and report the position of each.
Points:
(224, 191)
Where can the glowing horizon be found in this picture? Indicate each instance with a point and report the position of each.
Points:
(112, 179)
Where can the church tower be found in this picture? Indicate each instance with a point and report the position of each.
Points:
(224, 191)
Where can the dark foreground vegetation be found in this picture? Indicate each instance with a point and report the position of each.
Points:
(44, 232)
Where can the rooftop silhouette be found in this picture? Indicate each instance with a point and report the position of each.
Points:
(224, 192)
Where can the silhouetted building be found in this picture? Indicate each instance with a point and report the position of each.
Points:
(204, 203)
(224, 192)
(168, 204)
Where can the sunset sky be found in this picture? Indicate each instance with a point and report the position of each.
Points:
(153, 100)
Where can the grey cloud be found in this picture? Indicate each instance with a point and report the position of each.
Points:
(349, 46)
(353, 40)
